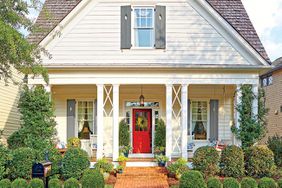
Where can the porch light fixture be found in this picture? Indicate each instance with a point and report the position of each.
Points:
(141, 98)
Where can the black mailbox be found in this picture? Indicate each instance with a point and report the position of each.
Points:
(41, 170)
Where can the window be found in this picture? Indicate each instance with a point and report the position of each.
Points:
(85, 119)
(199, 119)
(144, 27)
(264, 82)
(267, 81)
(270, 80)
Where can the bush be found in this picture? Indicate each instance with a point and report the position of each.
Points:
(15, 140)
(259, 161)
(94, 179)
(22, 162)
(19, 183)
(4, 160)
(103, 165)
(249, 182)
(74, 163)
(232, 162)
(214, 183)
(275, 145)
(192, 179)
(267, 183)
(231, 183)
(206, 160)
(74, 142)
(279, 183)
(160, 138)
(71, 183)
(124, 134)
(36, 183)
(56, 158)
(54, 183)
(178, 167)
(5, 183)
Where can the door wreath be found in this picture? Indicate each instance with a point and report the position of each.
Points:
(142, 123)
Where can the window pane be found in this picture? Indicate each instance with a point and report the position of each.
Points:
(85, 119)
(144, 37)
(199, 120)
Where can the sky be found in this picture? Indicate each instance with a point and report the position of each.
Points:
(266, 16)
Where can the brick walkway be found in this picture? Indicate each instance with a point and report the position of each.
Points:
(142, 177)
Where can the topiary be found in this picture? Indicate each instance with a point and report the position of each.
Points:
(94, 179)
(71, 183)
(230, 183)
(4, 160)
(214, 183)
(54, 183)
(206, 160)
(124, 134)
(267, 183)
(279, 183)
(160, 132)
(275, 145)
(232, 162)
(192, 179)
(74, 163)
(259, 161)
(249, 182)
(36, 183)
(5, 183)
(19, 183)
(21, 164)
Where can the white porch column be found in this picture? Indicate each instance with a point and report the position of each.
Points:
(115, 122)
(237, 102)
(255, 101)
(100, 120)
(169, 120)
(184, 100)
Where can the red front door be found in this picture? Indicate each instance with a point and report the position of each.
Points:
(142, 130)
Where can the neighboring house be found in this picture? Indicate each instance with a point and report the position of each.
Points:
(272, 84)
(185, 57)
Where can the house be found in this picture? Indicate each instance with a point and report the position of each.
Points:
(139, 60)
(271, 83)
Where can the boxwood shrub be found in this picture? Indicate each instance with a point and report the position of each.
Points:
(267, 183)
(214, 183)
(206, 160)
(74, 163)
(4, 160)
(230, 183)
(259, 161)
(19, 183)
(232, 162)
(54, 183)
(23, 159)
(275, 145)
(249, 182)
(5, 183)
(279, 183)
(92, 179)
(56, 158)
(192, 179)
(71, 183)
(36, 183)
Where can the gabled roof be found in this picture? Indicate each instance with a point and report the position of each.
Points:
(233, 11)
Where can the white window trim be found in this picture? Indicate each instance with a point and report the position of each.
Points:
(133, 27)
(76, 115)
(208, 119)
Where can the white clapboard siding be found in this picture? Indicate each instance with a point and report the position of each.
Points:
(94, 37)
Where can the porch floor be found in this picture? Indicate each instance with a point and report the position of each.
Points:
(140, 177)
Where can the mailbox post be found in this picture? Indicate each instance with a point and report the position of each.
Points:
(42, 170)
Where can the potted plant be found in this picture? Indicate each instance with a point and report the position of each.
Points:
(177, 168)
(119, 169)
(161, 159)
(125, 150)
(122, 160)
(104, 167)
(160, 150)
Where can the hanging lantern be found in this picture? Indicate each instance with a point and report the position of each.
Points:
(141, 98)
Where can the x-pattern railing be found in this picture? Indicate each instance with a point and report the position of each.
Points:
(177, 116)
(108, 99)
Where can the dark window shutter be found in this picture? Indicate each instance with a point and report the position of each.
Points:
(214, 119)
(188, 117)
(71, 118)
(160, 27)
(125, 26)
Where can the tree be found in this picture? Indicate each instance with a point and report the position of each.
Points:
(15, 50)
(252, 127)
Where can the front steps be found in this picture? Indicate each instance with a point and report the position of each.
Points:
(140, 177)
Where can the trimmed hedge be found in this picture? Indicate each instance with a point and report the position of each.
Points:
(231, 183)
(93, 179)
(56, 158)
(267, 183)
(19, 183)
(36, 183)
(5, 157)
(22, 162)
(279, 183)
(259, 161)
(54, 183)
(206, 160)
(232, 162)
(71, 183)
(249, 182)
(5, 183)
(74, 163)
(192, 179)
(214, 183)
